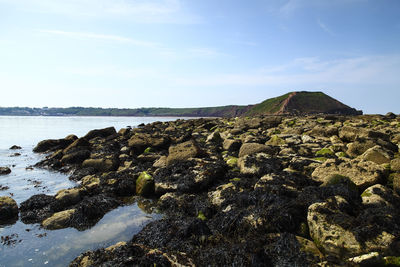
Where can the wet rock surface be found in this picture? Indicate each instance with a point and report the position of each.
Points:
(264, 191)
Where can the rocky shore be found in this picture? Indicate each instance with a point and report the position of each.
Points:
(261, 191)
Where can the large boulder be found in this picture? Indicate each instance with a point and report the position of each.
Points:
(4, 170)
(76, 157)
(258, 164)
(100, 133)
(67, 197)
(59, 220)
(253, 148)
(183, 151)
(345, 230)
(362, 173)
(376, 154)
(54, 144)
(140, 141)
(76, 145)
(349, 133)
(231, 145)
(358, 147)
(101, 165)
(8, 209)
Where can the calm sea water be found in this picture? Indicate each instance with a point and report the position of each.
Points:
(30, 244)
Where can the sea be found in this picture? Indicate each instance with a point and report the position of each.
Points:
(29, 244)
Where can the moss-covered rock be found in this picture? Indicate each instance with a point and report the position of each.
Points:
(325, 152)
(8, 209)
(145, 185)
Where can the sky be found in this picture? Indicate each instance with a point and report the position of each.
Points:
(192, 53)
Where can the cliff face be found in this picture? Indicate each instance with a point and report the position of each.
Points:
(296, 103)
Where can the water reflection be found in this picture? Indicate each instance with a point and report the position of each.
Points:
(59, 247)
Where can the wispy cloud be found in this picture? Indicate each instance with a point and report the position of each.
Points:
(204, 52)
(290, 7)
(144, 11)
(324, 27)
(371, 70)
(105, 37)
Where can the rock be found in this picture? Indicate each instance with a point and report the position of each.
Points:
(253, 148)
(258, 164)
(161, 162)
(68, 197)
(231, 145)
(285, 249)
(15, 147)
(349, 133)
(4, 170)
(140, 141)
(376, 154)
(214, 138)
(76, 157)
(332, 237)
(190, 176)
(390, 115)
(100, 133)
(8, 209)
(395, 165)
(396, 183)
(77, 144)
(101, 165)
(276, 141)
(378, 195)
(145, 185)
(90, 182)
(345, 230)
(124, 131)
(363, 174)
(52, 144)
(183, 151)
(357, 148)
(370, 259)
(232, 161)
(59, 220)
(216, 197)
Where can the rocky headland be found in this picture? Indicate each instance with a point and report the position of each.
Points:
(317, 190)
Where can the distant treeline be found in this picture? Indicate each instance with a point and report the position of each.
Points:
(224, 111)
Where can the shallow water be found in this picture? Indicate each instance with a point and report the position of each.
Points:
(29, 244)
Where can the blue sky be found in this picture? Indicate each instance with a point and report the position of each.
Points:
(177, 53)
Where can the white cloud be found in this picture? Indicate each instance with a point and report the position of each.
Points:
(105, 37)
(145, 11)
